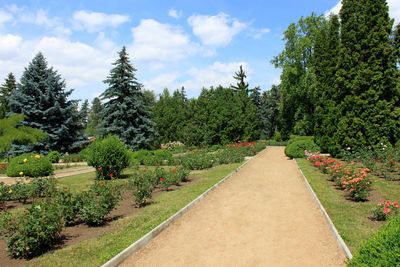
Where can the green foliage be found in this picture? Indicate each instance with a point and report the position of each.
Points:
(382, 248)
(296, 148)
(69, 205)
(31, 165)
(297, 87)
(98, 202)
(5, 92)
(268, 112)
(11, 133)
(366, 87)
(33, 232)
(125, 113)
(109, 156)
(171, 116)
(42, 98)
(42, 188)
(385, 209)
(143, 186)
(94, 119)
(54, 156)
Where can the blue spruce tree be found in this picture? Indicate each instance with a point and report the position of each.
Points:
(42, 98)
(125, 112)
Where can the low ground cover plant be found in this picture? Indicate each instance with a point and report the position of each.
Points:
(31, 165)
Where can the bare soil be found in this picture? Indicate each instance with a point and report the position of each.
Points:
(262, 216)
(80, 231)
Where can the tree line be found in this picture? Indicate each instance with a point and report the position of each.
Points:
(217, 116)
(340, 78)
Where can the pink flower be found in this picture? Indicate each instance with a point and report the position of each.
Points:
(98, 169)
(386, 211)
(161, 179)
(102, 183)
(111, 175)
(174, 170)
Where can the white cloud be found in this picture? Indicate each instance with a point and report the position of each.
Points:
(166, 80)
(155, 41)
(4, 16)
(215, 30)
(258, 33)
(95, 21)
(394, 9)
(174, 13)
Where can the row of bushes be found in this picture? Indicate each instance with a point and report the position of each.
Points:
(297, 145)
(33, 231)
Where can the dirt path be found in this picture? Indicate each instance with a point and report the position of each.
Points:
(262, 216)
(13, 180)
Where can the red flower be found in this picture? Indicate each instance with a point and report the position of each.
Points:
(99, 169)
(386, 211)
(111, 175)
(144, 170)
(174, 170)
(102, 183)
(75, 159)
(392, 163)
(161, 179)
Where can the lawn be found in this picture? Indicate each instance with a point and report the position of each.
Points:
(97, 251)
(352, 219)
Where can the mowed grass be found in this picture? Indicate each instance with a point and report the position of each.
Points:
(351, 219)
(98, 251)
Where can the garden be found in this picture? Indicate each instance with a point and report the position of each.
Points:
(360, 191)
(44, 219)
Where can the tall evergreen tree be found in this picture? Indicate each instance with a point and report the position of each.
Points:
(270, 112)
(42, 98)
(326, 56)
(84, 114)
(94, 119)
(366, 81)
(240, 86)
(125, 113)
(5, 92)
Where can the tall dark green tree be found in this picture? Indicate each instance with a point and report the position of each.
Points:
(326, 52)
(241, 85)
(125, 113)
(5, 92)
(269, 112)
(42, 98)
(94, 119)
(298, 78)
(84, 114)
(366, 82)
(170, 116)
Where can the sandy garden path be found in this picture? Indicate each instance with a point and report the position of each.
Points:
(262, 216)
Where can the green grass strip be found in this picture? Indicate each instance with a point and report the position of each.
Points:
(98, 251)
(350, 218)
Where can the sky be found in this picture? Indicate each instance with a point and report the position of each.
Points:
(194, 44)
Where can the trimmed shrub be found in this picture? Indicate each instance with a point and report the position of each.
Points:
(54, 156)
(296, 148)
(30, 165)
(143, 186)
(33, 232)
(109, 156)
(382, 248)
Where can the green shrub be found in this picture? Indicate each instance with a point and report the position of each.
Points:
(143, 186)
(54, 156)
(42, 187)
(98, 202)
(21, 191)
(295, 149)
(3, 167)
(141, 155)
(69, 205)
(5, 195)
(382, 248)
(30, 165)
(109, 156)
(33, 232)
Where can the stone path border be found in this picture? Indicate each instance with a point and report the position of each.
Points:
(339, 239)
(126, 253)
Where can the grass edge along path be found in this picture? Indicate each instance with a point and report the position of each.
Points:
(351, 219)
(95, 252)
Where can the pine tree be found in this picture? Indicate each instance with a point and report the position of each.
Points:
(241, 86)
(84, 114)
(326, 56)
(125, 113)
(42, 98)
(270, 112)
(366, 82)
(94, 119)
(5, 92)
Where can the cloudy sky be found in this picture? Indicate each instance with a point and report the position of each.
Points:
(172, 44)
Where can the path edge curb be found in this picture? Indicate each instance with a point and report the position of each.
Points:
(339, 239)
(144, 240)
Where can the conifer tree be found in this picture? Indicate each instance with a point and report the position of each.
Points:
(125, 113)
(94, 119)
(366, 83)
(240, 86)
(42, 98)
(326, 56)
(5, 92)
(84, 114)
(270, 112)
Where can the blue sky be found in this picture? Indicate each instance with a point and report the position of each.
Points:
(172, 44)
